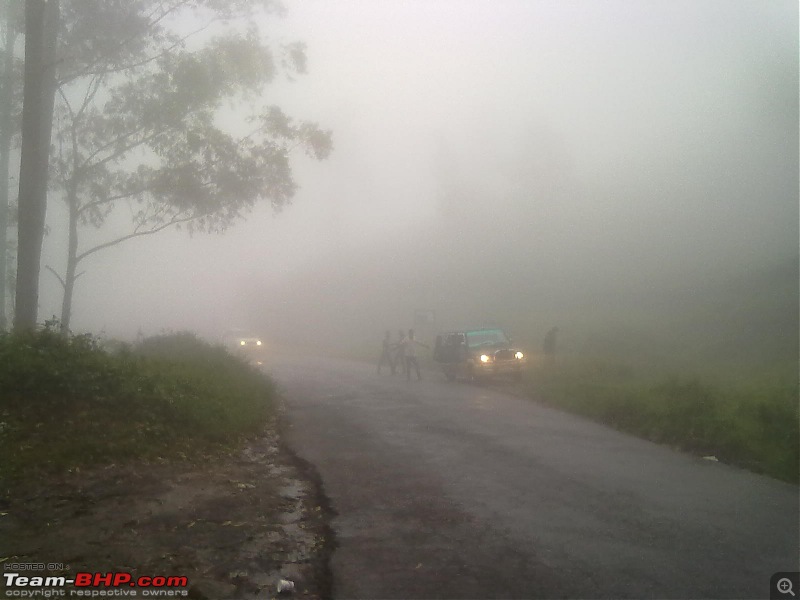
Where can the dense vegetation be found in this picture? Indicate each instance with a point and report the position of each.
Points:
(751, 423)
(67, 403)
(714, 371)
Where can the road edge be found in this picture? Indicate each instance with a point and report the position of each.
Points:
(322, 569)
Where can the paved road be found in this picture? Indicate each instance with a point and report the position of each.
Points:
(447, 490)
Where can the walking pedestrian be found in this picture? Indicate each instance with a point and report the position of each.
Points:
(549, 345)
(410, 352)
(386, 353)
(400, 349)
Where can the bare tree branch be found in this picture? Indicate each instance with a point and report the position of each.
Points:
(66, 101)
(91, 92)
(109, 244)
(60, 280)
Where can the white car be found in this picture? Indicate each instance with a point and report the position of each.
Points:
(245, 344)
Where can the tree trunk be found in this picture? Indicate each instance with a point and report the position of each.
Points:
(41, 32)
(5, 151)
(72, 261)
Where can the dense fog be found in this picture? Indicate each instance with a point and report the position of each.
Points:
(515, 163)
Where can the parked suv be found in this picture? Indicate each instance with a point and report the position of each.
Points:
(476, 353)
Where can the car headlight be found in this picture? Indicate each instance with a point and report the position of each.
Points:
(242, 343)
(258, 343)
(519, 355)
(484, 358)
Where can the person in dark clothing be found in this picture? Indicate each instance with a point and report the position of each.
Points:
(386, 353)
(410, 352)
(399, 348)
(549, 345)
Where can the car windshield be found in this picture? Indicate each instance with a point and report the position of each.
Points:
(486, 337)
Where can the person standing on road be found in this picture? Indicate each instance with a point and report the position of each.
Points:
(386, 353)
(410, 351)
(549, 345)
(400, 350)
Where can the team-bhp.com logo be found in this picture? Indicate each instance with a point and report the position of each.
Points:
(94, 585)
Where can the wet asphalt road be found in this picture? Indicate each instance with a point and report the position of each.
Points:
(448, 490)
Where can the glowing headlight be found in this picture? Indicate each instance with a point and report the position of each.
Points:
(519, 355)
(242, 343)
(258, 343)
(484, 358)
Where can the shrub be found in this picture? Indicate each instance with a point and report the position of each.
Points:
(750, 423)
(66, 403)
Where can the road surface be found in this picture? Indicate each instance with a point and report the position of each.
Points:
(450, 490)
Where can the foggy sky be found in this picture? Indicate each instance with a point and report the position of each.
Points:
(555, 149)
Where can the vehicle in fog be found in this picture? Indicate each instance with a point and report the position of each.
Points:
(478, 353)
(245, 344)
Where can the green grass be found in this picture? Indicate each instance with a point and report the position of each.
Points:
(748, 420)
(67, 404)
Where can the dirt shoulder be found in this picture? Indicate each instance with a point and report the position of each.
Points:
(233, 526)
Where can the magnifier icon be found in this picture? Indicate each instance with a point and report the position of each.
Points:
(784, 586)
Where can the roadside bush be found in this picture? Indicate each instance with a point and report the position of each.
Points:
(44, 365)
(690, 414)
(749, 423)
(66, 403)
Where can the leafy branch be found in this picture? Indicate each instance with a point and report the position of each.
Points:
(138, 121)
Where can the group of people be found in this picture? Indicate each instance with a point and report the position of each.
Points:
(402, 353)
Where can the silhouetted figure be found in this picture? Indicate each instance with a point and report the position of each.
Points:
(400, 348)
(549, 345)
(386, 353)
(410, 351)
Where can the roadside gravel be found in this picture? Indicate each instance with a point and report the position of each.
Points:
(234, 526)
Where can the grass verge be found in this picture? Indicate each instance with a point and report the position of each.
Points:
(752, 422)
(67, 404)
